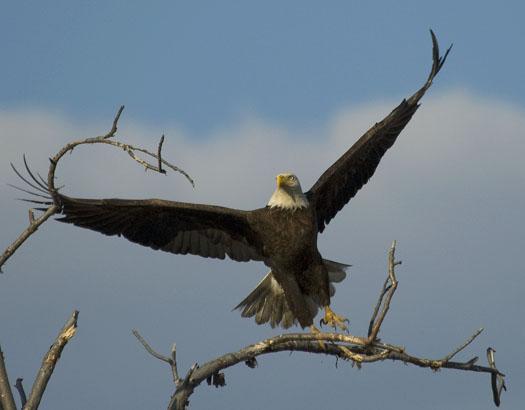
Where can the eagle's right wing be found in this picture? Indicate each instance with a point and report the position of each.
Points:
(176, 227)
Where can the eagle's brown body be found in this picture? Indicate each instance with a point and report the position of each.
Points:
(290, 244)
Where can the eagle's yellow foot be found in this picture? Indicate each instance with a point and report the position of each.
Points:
(315, 331)
(333, 320)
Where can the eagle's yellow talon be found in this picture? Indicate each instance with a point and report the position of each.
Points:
(333, 320)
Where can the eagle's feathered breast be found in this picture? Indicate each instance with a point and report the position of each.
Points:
(289, 236)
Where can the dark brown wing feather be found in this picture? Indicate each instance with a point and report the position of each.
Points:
(349, 173)
(176, 227)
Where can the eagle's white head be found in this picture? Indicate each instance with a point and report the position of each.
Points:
(288, 194)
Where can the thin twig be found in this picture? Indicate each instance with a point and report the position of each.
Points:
(378, 305)
(173, 167)
(113, 129)
(387, 293)
(172, 361)
(149, 349)
(465, 344)
(11, 249)
(174, 370)
(49, 362)
(7, 401)
(20, 387)
(159, 151)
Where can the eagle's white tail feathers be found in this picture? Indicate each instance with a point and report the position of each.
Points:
(268, 304)
(267, 301)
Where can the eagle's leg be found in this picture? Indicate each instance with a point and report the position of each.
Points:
(334, 320)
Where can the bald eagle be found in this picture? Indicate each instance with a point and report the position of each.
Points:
(282, 235)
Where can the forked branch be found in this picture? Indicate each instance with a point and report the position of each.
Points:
(388, 290)
(46, 188)
(355, 349)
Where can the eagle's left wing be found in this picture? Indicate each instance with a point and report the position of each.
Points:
(348, 174)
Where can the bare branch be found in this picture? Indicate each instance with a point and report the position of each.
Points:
(49, 362)
(159, 151)
(172, 361)
(149, 349)
(465, 344)
(171, 166)
(7, 401)
(31, 216)
(385, 296)
(174, 370)
(378, 305)
(43, 191)
(497, 380)
(33, 226)
(106, 139)
(20, 387)
(113, 129)
(342, 346)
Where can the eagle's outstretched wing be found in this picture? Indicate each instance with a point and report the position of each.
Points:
(176, 227)
(348, 174)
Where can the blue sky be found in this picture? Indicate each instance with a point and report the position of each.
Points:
(265, 87)
(203, 64)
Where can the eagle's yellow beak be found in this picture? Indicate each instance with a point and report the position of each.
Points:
(280, 180)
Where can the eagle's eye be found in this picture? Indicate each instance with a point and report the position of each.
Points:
(292, 178)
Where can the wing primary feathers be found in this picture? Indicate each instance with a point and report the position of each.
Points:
(37, 187)
(35, 201)
(42, 184)
(40, 190)
(437, 62)
(29, 192)
(355, 167)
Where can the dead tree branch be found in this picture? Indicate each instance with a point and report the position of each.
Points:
(49, 362)
(30, 230)
(172, 361)
(383, 303)
(355, 349)
(47, 189)
(7, 401)
(497, 380)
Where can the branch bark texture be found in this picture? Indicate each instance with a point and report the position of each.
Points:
(49, 362)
